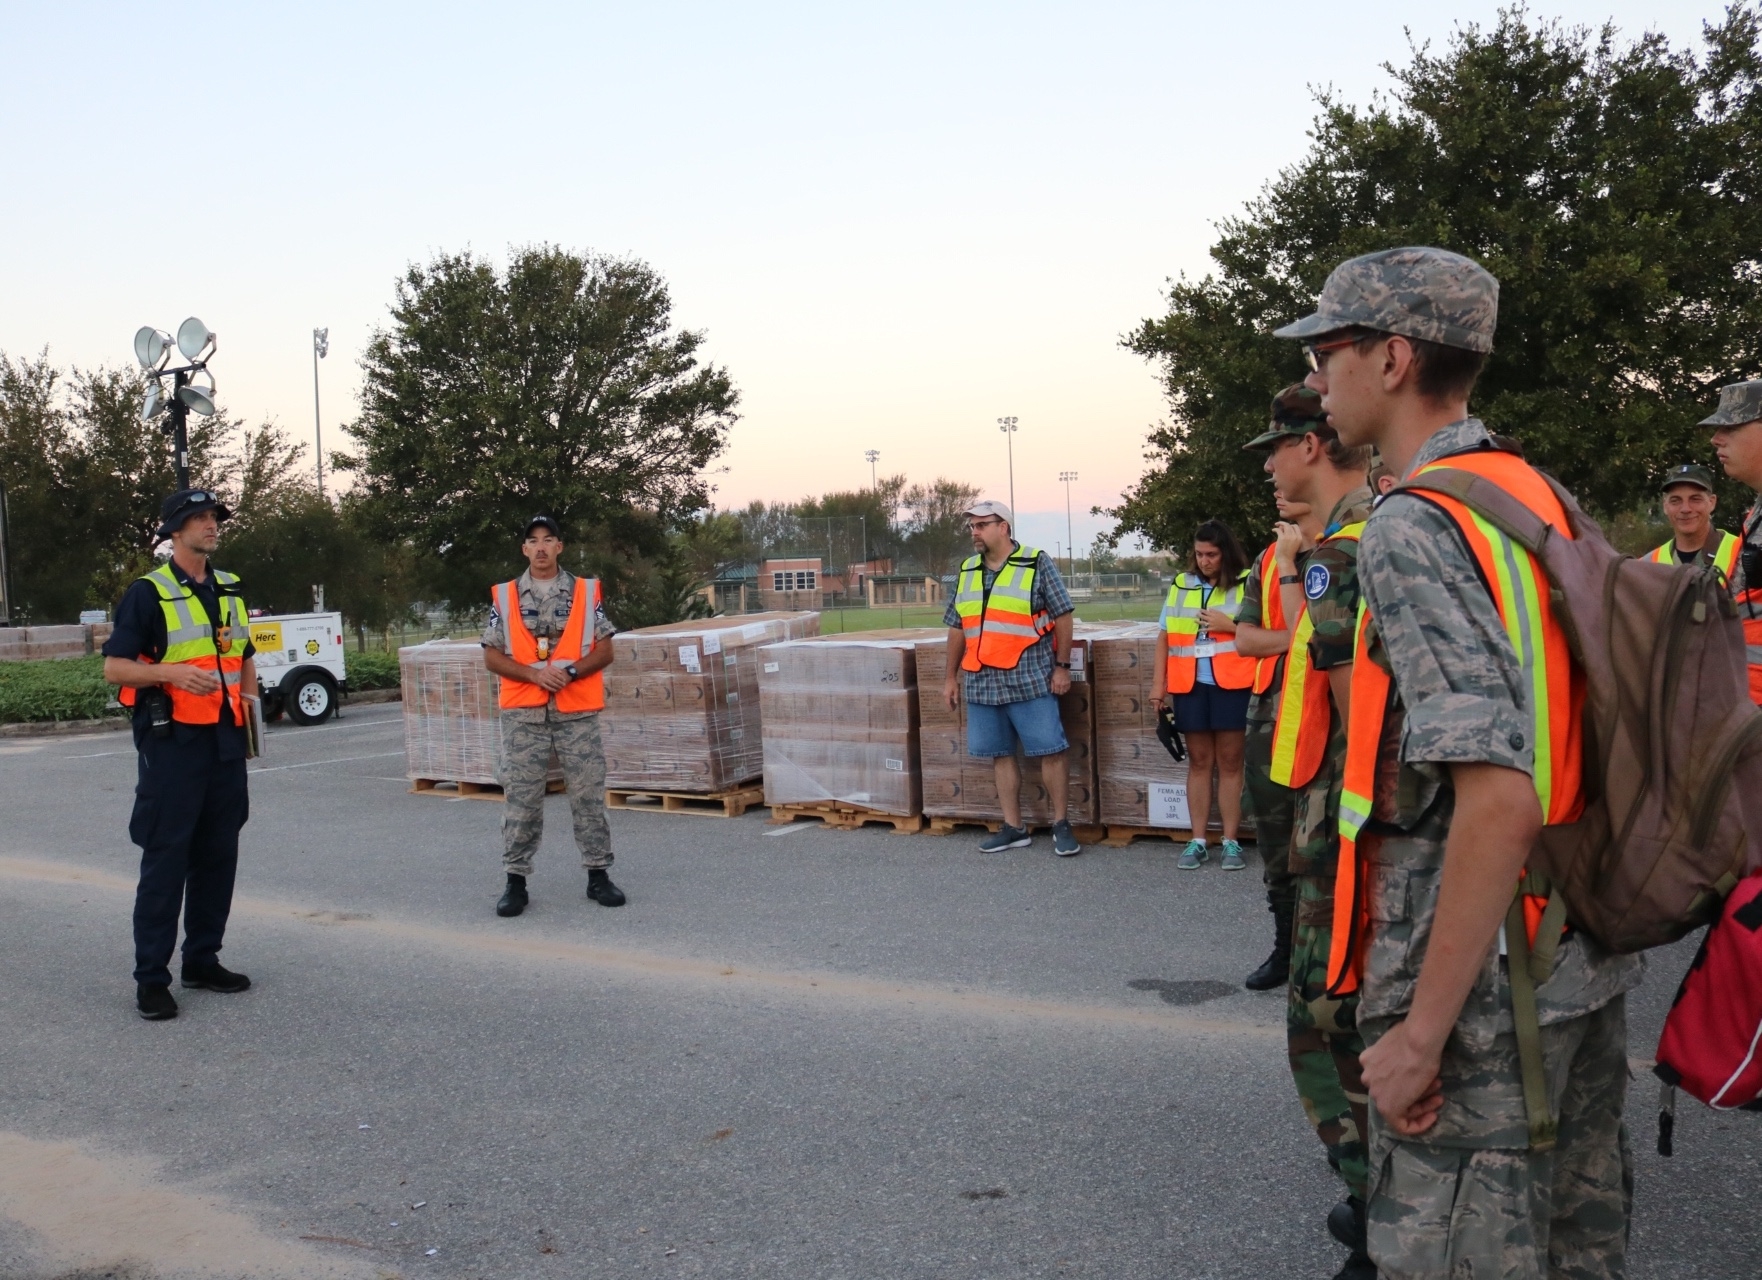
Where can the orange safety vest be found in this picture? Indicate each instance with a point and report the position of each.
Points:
(1300, 733)
(1272, 616)
(999, 626)
(577, 640)
(1750, 605)
(1188, 594)
(1520, 592)
(1724, 557)
(190, 638)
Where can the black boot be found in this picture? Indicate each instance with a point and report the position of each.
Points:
(1275, 970)
(514, 897)
(154, 1001)
(1346, 1224)
(601, 889)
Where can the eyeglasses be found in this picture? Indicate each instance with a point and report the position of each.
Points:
(1315, 353)
(984, 524)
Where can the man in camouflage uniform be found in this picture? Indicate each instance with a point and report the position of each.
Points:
(1310, 465)
(1737, 439)
(1296, 408)
(531, 734)
(1455, 1188)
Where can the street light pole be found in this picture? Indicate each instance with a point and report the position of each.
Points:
(320, 349)
(1008, 427)
(1070, 538)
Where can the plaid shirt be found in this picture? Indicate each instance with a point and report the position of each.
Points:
(1031, 677)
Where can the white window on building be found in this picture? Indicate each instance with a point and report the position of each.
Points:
(794, 580)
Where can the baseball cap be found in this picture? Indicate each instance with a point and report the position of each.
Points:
(1739, 403)
(1689, 473)
(1418, 292)
(987, 507)
(1296, 412)
(542, 522)
(185, 503)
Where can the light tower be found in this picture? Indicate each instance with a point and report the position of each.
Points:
(1066, 477)
(197, 343)
(320, 349)
(873, 456)
(1008, 427)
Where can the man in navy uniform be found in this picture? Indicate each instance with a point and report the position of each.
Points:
(181, 652)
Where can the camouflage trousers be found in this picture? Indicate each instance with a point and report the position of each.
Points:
(529, 736)
(1475, 1213)
(1322, 1039)
(1274, 818)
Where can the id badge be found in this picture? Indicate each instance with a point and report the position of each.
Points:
(1206, 648)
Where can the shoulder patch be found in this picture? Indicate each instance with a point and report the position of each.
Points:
(495, 615)
(1315, 581)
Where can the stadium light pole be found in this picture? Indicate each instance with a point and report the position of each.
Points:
(1008, 427)
(1070, 539)
(873, 456)
(320, 349)
(153, 349)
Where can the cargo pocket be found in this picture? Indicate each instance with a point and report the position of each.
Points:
(142, 821)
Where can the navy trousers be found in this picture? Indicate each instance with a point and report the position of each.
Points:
(189, 805)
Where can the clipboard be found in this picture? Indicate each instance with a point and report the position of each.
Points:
(254, 728)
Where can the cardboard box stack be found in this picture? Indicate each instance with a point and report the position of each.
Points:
(452, 714)
(841, 721)
(1141, 785)
(682, 702)
(960, 787)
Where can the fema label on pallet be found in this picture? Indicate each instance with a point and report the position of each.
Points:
(1168, 805)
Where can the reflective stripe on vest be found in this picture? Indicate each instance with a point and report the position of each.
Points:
(577, 640)
(190, 638)
(999, 630)
(1272, 617)
(1520, 592)
(1300, 733)
(1724, 557)
(1188, 595)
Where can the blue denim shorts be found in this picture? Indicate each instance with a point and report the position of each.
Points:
(1209, 709)
(994, 731)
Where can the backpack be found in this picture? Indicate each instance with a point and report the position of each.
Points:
(1712, 1042)
(1673, 744)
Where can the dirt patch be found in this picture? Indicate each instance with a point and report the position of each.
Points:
(99, 1215)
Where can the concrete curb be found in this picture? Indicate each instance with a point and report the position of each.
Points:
(63, 728)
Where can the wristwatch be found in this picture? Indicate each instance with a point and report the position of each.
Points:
(1065, 665)
(1289, 579)
(573, 673)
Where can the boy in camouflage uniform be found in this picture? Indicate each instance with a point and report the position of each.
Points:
(1270, 803)
(531, 734)
(1310, 465)
(1455, 1187)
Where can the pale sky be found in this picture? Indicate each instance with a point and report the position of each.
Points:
(895, 223)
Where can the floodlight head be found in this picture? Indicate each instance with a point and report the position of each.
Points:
(154, 403)
(151, 345)
(200, 399)
(193, 338)
(321, 342)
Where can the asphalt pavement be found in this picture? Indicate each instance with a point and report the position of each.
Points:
(796, 1053)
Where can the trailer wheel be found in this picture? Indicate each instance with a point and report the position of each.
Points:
(272, 707)
(312, 699)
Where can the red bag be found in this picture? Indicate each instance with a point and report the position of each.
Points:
(1712, 1042)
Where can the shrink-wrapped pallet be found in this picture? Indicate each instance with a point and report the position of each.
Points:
(682, 702)
(1141, 784)
(452, 714)
(963, 788)
(841, 721)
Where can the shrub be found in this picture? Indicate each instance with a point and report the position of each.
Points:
(372, 670)
(68, 689)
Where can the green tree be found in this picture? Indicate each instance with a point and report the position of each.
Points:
(558, 385)
(935, 525)
(1613, 188)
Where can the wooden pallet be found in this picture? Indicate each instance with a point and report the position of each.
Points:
(1085, 834)
(730, 803)
(1119, 835)
(847, 817)
(448, 789)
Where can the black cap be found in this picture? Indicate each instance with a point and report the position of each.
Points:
(1689, 473)
(542, 522)
(185, 503)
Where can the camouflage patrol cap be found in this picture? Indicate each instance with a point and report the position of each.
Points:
(1296, 412)
(1429, 294)
(1689, 473)
(1739, 403)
